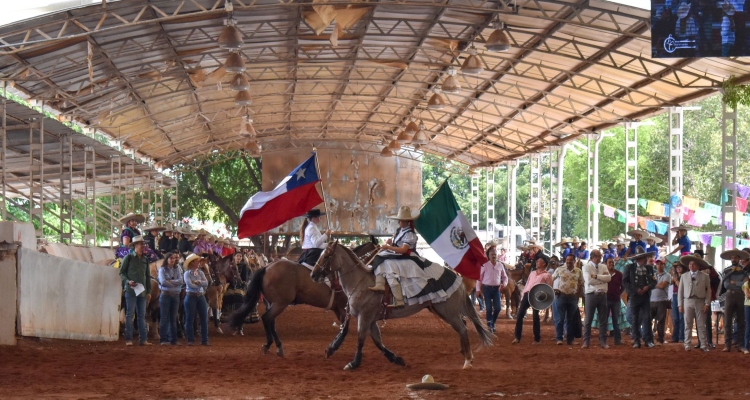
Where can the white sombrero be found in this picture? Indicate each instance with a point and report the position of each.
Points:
(656, 239)
(563, 241)
(137, 239)
(428, 383)
(640, 252)
(682, 227)
(139, 218)
(405, 214)
(153, 227)
(634, 232)
(727, 255)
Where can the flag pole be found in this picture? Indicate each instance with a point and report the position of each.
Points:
(322, 189)
(434, 192)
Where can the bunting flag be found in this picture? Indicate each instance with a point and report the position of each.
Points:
(741, 204)
(655, 208)
(609, 212)
(690, 202)
(742, 190)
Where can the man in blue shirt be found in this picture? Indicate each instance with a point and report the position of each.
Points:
(637, 236)
(681, 240)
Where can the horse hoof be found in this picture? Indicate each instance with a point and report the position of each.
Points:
(280, 353)
(219, 330)
(399, 361)
(264, 348)
(467, 365)
(329, 353)
(349, 367)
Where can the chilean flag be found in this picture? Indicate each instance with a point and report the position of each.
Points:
(295, 195)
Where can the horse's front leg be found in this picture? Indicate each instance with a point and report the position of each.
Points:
(377, 339)
(363, 325)
(340, 337)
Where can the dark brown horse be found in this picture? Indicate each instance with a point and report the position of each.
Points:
(286, 282)
(221, 272)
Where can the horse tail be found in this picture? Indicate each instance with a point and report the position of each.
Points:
(252, 296)
(471, 312)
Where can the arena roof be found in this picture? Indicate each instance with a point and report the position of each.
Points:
(351, 73)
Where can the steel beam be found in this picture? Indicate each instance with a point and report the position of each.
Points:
(631, 175)
(475, 201)
(676, 130)
(490, 212)
(535, 193)
(729, 177)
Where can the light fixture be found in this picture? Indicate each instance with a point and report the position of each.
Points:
(239, 82)
(420, 138)
(411, 128)
(386, 152)
(498, 40)
(243, 98)
(404, 136)
(252, 147)
(472, 65)
(450, 84)
(394, 145)
(235, 64)
(436, 102)
(243, 127)
(230, 37)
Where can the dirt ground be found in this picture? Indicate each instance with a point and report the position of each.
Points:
(234, 367)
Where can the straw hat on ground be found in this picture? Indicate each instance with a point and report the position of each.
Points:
(727, 255)
(405, 214)
(137, 239)
(139, 218)
(702, 264)
(428, 383)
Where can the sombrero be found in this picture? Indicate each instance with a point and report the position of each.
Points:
(563, 241)
(727, 255)
(153, 227)
(640, 252)
(535, 246)
(405, 214)
(728, 8)
(702, 264)
(604, 245)
(656, 239)
(682, 227)
(575, 239)
(139, 218)
(428, 383)
(634, 232)
(137, 239)
(683, 10)
(314, 213)
(189, 259)
(522, 248)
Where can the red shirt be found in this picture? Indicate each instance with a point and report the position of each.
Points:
(614, 290)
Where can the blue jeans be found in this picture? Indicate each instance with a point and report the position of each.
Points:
(477, 300)
(614, 311)
(168, 304)
(567, 308)
(196, 304)
(133, 303)
(747, 326)
(678, 322)
(491, 303)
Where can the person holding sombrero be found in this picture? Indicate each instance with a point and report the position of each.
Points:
(313, 242)
(638, 280)
(734, 303)
(402, 246)
(694, 299)
(637, 236)
(134, 273)
(130, 230)
(681, 240)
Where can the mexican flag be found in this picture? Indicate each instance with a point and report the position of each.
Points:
(442, 224)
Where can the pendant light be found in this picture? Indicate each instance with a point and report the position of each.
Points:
(394, 145)
(404, 136)
(243, 98)
(498, 40)
(230, 37)
(386, 152)
(235, 64)
(472, 65)
(252, 147)
(450, 84)
(411, 128)
(436, 102)
(420, 137)
(239, 83)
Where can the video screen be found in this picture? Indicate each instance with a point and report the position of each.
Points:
(699, 28)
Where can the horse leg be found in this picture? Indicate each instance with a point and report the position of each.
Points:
(376, 338)
(344, 319)
(269, 324)
(455, 320)
(362, 325)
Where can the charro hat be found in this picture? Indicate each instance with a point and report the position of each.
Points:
(682, 227)
(189, 259)
(640, 252)
(727, 255)
(656, 239)
(153, 227)
(137, 239)
(575, 239)
(405, 214)
(634, 232)
(683, 10)
(315, 212)
(428, 383)
(139, 218)
(702, 264)
(563, 241)
(728, 8)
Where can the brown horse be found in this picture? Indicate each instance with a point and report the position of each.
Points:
(367, 305)
(285, 282)
(220, 272)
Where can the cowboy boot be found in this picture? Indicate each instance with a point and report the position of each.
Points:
(398, 295)
(379, 284)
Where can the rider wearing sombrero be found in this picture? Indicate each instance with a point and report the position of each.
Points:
(402, 246)
(131, 221)
(313, 242)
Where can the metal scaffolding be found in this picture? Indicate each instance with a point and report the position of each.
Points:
(593, 189)
(3, 158)
(146, 197)
(676, 130)
(66, 189)
(535, 188)
(490, 213)
(89, 198)
(159, 199)
(631, 175)
(729, 176)
(474, 201)
(556, 160)
(36, 175)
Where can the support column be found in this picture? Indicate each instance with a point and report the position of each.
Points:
(130, 205)
(474, 176)
(535, 188)
(559, 181)
(490, 213)
(66, 189)
(89, 199)
(595, 194)
(729, 177)
(3, 137)
(675, 167)
(556, 158)
(36, 175)
(512, 171)
(159, 199)
(631, 175)
(174, 206)
(146, 196)
(117, 203)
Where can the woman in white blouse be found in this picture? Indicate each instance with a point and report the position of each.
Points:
(313, 242)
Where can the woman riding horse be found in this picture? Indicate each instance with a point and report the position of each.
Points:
(401, 248)
(313, 242)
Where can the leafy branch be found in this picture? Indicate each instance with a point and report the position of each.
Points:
(734, 93)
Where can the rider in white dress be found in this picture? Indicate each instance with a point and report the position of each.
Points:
(313, 242)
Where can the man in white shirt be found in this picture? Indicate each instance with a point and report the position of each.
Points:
(596, 279)
(660, 301)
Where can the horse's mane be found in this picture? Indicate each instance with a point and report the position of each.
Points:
(355, 258)
(356, 249)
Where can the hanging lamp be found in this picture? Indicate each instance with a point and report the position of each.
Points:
(436, 102)
(472, 65)
(420, 137)
(230, 37)
(386, 152)
(243, 98)
(239, 82)
(235, 64)
(404, 136)
(252, 147)
(451, 84)
(394, 145)
(498, 40)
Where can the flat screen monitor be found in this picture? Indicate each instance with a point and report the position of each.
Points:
(699, 28)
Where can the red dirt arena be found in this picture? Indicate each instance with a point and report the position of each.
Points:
(234, 367)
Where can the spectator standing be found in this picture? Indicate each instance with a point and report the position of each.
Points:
(694, 296)
(195, 300)
(170, 286)
(638, 280)
(135, 274)
(731, 284)
(596, 277)
(568, 284)
(678, 318)
(660, 301)
(614, 301)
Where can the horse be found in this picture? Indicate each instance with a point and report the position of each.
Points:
(220, 272)
(285, 282)
(368, 306)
